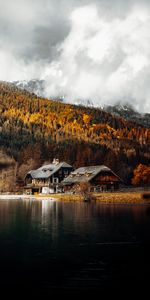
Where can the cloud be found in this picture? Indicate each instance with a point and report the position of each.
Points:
(83, 49)
(106, 61)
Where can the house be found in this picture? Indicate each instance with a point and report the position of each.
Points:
(47, 178)
(100, 178)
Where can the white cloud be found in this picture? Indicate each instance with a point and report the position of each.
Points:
(103, 60)
(83, 49)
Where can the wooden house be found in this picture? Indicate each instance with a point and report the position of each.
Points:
(47, 178)
(100, 178)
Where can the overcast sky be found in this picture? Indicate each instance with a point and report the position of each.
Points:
(83, 49)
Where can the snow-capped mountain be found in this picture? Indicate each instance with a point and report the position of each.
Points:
(129, 113)
(33, 86)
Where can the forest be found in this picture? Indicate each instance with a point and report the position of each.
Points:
(35, 130)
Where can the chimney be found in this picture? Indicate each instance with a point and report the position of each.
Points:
(55, 161)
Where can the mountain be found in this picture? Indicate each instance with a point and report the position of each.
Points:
(34, 130)
(33, 86)
(124, 111)
(129, 113)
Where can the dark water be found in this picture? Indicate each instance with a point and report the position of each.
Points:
(66, 248)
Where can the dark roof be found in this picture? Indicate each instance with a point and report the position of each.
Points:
(47, 171)
(85, 174)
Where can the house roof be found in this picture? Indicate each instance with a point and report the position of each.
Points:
(85, 174)
(47, 171)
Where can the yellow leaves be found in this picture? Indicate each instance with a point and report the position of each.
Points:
(12, 113)
(87, 119)
(35, 118)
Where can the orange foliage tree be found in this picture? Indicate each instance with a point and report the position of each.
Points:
(141, 175)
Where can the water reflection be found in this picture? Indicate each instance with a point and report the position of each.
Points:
(74, 246)
(50, 214)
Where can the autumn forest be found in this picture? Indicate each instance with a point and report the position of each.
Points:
(35, 130)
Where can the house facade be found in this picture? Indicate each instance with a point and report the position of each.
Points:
(100, 178)
(47, 178)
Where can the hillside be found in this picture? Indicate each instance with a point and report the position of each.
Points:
(128, 112)
(33, 86)
(124, 111)
(34, 130)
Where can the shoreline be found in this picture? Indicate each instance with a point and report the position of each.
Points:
(112, 198)
(108, 198)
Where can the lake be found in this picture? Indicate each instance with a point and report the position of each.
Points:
(50, 247)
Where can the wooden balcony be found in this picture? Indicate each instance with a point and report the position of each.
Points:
(37, 184)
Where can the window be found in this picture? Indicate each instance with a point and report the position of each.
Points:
(55, 180)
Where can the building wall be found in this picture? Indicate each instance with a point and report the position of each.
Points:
(106, 181)
(102, 182)
(49, 185)
(60, 175)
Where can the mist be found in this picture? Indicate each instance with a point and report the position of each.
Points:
(83, 50)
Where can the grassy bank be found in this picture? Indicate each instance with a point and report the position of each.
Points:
(117, 197)
(131, 197)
